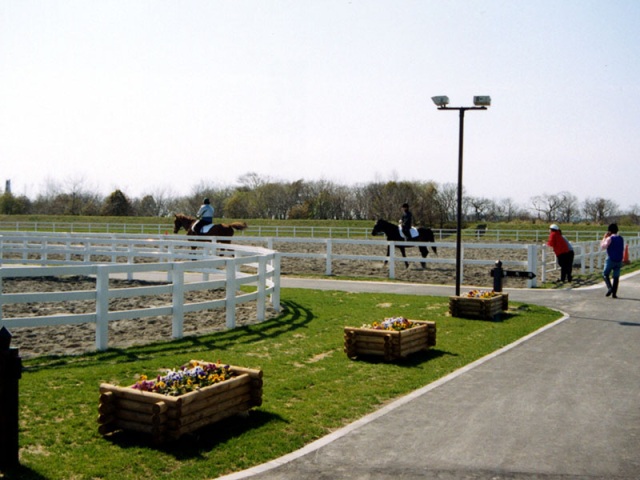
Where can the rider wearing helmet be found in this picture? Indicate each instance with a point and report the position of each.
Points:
(204, 215)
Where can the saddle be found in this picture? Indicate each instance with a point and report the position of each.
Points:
(204, 230)
(413, 231)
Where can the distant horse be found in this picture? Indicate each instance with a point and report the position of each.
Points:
(393, 235)
(217, 230)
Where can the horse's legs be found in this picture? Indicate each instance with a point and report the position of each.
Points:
(387, 259)
(404, 255)
(425, 252)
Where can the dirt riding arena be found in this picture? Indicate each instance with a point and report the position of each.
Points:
(76, 339)
(434, 273)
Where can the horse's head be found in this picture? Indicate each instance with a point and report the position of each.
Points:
(181, 221)
(378, 228)
(176, 224)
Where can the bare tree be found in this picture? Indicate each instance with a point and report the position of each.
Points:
(599, 210)
(547, 206)
(481, 206)
(507, 210)
(568, 208)
(387, 198)
(447, 201)
(155, 204)
(425, 206)
(252, 180)
(73, 198)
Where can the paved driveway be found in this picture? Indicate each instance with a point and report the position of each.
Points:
(563, 403)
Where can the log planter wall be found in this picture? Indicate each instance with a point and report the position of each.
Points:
(390, 344)
(479, 308)
(167, 417)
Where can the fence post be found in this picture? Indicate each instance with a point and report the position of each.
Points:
(231, 288)
(10, 373)
(275, 295)
(262, 286)
(177, 299)
(532, 262)
(329, 251)
(102, 307)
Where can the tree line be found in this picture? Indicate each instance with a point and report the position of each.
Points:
(255, 196)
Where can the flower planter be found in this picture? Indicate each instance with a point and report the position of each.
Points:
(389, 344)
(167, 417)
(481, 308)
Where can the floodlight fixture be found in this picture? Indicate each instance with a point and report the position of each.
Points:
(441, 101)
(482, 101)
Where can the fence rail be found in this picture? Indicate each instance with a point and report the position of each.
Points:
(184, 266)
(443, 234)
(532, 257)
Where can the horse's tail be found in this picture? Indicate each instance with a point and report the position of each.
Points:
(238, 225)
(431, 238)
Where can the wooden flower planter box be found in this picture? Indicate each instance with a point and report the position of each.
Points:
(389, 344)
(166, 417)
(481, 308)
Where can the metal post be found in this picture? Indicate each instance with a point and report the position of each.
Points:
(10, 373)
(459, 227)
(497, 277)
(443, 106)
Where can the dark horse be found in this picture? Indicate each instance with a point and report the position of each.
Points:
(218, 230)
(393, 235)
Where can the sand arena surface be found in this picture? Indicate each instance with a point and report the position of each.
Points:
(80, 338)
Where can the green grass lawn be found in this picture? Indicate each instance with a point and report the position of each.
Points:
(310, 387)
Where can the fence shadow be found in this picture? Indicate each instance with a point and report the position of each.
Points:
(293, 316)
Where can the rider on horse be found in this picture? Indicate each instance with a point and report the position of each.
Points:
(204, 215)
(406, 221)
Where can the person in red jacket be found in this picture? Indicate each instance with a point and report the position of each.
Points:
(564, 253)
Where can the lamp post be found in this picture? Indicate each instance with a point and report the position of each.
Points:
(480, 103)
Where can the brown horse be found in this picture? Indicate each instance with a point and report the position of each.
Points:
(218, 230)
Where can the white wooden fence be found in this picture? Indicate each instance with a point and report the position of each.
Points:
(184, 266)
(176, 261)
(589, 257)
(304, 231)
(535, 258)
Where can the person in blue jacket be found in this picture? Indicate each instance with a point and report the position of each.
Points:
(614, 244)
(204, 216)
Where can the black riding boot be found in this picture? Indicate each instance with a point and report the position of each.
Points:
(609, 287)
(614, 289)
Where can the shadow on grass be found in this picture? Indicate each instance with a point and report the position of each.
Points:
(195, 444)
(500, 317)
(412, 360)
(293, 317)
(20, 472)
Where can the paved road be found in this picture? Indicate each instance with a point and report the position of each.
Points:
(563, 403)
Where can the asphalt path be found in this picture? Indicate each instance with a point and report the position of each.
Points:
(562, 403)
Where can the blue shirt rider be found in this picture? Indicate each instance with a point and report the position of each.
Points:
(204, 216)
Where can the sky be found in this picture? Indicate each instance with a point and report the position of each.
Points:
(168, 96)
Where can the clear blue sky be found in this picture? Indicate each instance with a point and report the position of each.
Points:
(150, 96)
